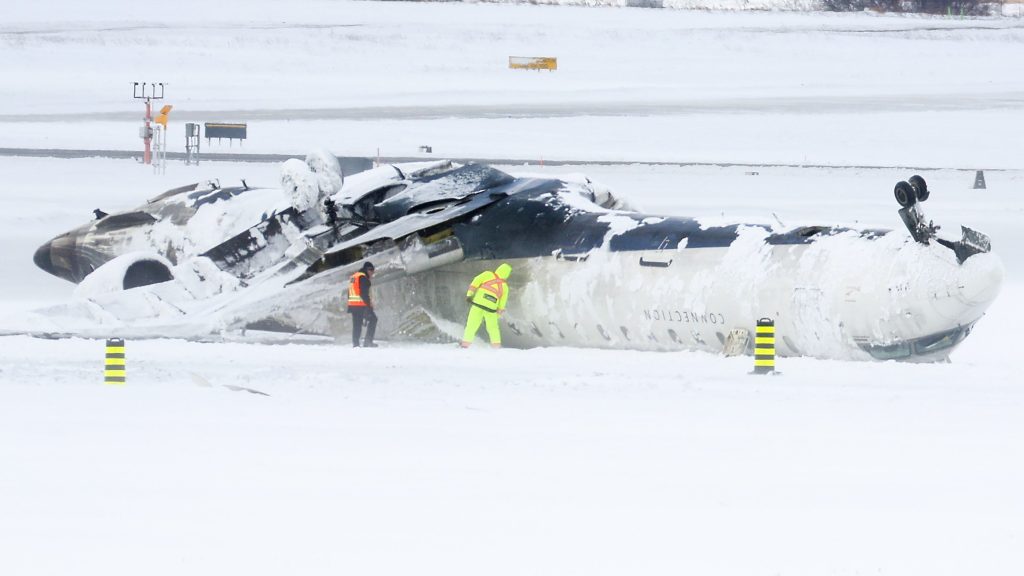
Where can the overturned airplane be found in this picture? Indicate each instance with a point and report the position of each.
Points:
(206, 261)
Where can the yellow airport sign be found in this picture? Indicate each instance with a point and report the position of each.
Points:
(532, 63)
(162, 118)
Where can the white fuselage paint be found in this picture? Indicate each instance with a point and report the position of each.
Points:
(832, 296)
(827, 297)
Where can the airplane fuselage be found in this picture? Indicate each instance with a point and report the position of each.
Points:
(586, 272)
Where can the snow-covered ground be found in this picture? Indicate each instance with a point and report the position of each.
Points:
(428, 459)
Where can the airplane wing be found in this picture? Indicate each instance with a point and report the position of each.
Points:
(286, 272)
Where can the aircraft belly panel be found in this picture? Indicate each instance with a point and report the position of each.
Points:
(584, 274)
(819, 297)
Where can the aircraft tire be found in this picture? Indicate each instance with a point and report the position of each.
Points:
(920, 186)
(905, 194)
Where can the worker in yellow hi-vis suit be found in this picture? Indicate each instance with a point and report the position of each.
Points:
(487, 295)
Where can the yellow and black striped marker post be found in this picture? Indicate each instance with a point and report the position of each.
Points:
(764, 347)
(114, 369)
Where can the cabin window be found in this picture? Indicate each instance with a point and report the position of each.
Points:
(675, 337)
(604, 334)
(625, 331)
(655, 263)
(557, 330)
(535, 330)
(126, 220)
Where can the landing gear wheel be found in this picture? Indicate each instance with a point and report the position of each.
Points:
(905, 194)
(920, 187)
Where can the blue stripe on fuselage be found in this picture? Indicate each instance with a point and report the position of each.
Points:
(542, 223)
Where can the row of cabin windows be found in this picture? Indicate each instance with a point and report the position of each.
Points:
(672, 334)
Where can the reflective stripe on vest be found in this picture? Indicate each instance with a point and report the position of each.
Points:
(495, 286)
(355, 298)
(488, 295)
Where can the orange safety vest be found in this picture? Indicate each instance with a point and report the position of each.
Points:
(355, 298)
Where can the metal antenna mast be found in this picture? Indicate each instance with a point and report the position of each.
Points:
(148, 92)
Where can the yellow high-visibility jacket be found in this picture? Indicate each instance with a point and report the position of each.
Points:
(489, 290)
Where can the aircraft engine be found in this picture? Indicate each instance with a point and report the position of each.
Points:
(300, 183)
(328, 172)
(127, 271)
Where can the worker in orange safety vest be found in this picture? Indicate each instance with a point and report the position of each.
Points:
(487, 295)
(360, 306)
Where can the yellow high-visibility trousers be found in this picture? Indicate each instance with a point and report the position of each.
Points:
(490, 320)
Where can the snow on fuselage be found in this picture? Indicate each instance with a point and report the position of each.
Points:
(584, 274)
(657, 283)
(824, 305)
(178, 224)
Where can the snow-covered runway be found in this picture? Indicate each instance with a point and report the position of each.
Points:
(552, 461)
(555, 461)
